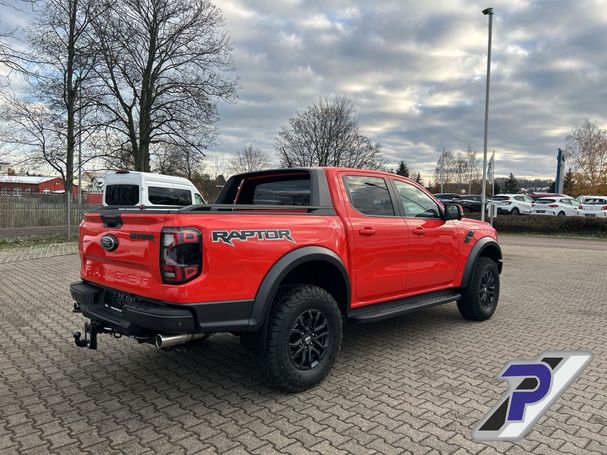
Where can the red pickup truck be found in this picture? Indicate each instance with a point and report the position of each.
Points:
(281, 260)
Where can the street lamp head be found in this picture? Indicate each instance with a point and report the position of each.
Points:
(488, 11)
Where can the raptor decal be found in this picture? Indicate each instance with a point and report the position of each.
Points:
(251, 234)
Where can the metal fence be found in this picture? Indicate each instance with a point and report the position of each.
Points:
(35, 210)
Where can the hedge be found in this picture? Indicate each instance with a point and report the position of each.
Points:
(537, 224)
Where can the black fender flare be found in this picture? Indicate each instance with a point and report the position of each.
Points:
(477, 250)
(269, 286)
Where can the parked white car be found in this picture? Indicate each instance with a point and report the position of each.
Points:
(557, 206)
(595, 207)
(512, 204)
(583, 199)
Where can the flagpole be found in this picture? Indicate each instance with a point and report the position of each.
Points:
(493, 174)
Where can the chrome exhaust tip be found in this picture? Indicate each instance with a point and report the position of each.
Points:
(169, 341)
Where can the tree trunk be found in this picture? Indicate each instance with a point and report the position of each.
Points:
(70, 103)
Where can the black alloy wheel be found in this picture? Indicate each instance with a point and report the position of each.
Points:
(309, 339)
(487, 289)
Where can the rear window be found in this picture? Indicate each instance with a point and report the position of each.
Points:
(595, 201)
(159, 195)
(122, 194)
(369, 195)
(545, 201)
(291, 189)
(501, 198)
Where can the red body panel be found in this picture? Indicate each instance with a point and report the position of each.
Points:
(394, 262)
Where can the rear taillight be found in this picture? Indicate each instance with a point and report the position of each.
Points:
(553, 205)
(180, 254)
(507, 202)
(581, 207)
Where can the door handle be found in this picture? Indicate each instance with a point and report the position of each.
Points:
(419, 231)
(367, 231)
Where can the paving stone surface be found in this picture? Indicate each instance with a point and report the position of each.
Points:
(416, 384)
(19, 254)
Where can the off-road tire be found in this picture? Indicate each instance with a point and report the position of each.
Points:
(515, 211)
(473, 305)
(291, 303)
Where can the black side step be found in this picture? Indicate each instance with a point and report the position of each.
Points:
(385, 310)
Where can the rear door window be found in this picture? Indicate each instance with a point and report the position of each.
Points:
(159, 195)
(369, 195)
(122, 194)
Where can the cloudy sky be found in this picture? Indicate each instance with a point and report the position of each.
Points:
(416, 73)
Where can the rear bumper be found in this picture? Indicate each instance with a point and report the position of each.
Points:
(594, 214)
(137, 316)
(544, 213)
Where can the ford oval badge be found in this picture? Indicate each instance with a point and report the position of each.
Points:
(109, 242)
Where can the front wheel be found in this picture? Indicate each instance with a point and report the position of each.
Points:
(304, 337)
(479, 299)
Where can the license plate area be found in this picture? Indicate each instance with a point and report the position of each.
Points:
(114, 301)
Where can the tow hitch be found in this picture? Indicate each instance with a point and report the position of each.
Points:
(90, 335)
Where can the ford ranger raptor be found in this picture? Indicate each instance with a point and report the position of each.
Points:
(283, 259)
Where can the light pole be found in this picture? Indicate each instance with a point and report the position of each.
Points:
(486, 12)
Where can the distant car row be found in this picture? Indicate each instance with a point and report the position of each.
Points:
(543, 204)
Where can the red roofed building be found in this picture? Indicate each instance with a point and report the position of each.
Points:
(20, 184)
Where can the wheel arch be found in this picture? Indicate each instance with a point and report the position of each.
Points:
(311, 265)
(485, 247)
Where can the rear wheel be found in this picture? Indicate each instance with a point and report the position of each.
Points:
(303, 337)
(561, 213)
(515, 211)
(480, 298)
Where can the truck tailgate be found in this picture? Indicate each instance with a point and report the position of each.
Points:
(132, 264)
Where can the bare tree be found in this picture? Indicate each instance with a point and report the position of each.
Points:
(57, 65)
(446, 168)
(163, 69)
(327, 134)
(586, 148)
(180, 161)
(457, 171)
(37, 133)
(249, 159)
(65, 62)
(12, 57)
(472, 167)
(218, 165)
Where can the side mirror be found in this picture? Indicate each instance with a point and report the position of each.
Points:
(453, 212)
